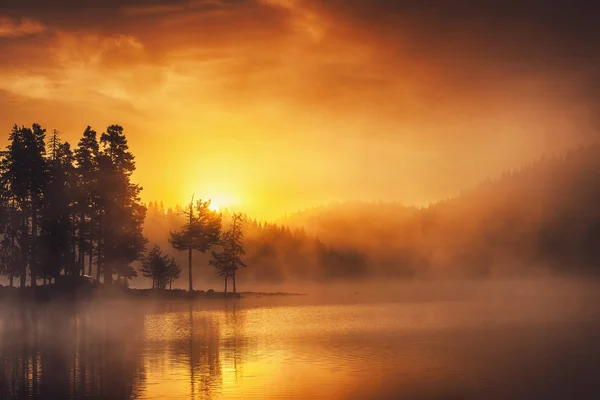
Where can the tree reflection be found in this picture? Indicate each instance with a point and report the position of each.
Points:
(47, 354)
(72, 352)
(205, 364)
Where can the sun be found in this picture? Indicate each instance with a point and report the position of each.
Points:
(220, 203)
(214, 206)
(221, 200)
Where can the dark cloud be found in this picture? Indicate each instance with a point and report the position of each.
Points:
(467, 83)
(421, 61)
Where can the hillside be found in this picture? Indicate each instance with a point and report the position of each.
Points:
(545, 215)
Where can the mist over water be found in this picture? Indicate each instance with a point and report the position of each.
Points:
(424, 340)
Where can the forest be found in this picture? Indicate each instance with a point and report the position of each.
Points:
(76, 211)
(69, 210)
(537, 219)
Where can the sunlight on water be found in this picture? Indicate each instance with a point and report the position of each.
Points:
(454, 349)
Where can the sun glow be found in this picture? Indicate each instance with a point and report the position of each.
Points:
(220, 203)
(214, 206)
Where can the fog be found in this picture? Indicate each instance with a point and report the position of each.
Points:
(535, 221)
(431, 340)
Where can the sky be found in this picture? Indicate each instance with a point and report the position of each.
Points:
(270, 106)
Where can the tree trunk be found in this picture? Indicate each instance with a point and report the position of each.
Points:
(24, 254)
(32, 263)
(190, 268)
(226, 277)
(233, 277)
(75, 267)
(91, 259)
(170, 283)
(81, 244)
(12, 243)
(80, 262)
(98, 263)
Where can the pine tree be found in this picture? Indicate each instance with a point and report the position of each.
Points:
(24, 175)
(120, 211)
(160, 268)
(6, 253)
(36, 179)
(87, 174)
(200, 232)
(229, 260)
(57, 238)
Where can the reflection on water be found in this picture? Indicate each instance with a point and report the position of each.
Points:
(423, 350)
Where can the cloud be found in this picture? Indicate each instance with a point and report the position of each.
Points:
(364, 85)
(151, 8)
(12, 27)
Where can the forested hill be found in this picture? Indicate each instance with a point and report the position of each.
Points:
(546, 214)
(543, 216)
(75, 210)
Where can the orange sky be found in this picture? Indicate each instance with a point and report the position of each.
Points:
(276, 105)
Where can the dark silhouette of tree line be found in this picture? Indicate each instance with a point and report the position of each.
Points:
(75, 211)
(67, 211)
(64, 209)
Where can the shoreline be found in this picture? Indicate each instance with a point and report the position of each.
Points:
(50, 293)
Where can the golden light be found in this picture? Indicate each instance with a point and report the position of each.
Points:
(214, 206)
(219, 203)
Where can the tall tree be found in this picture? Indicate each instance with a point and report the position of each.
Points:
(57, 239)
(220, 262)
(13, 183)
(173, 271)
(160, 268)
(86, 156)
(8, 266)
(120, 211)
(229, 259)
(200, 232)
(36, 179)
(24, 174)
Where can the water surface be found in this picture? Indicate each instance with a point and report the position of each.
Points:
(522, 343)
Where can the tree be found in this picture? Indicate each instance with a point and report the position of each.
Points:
(86, 156)
(24, 174)
(9, 265)
(120, 212)
(229, 260)
(9, 228)
(160, 268)
(219, 261)
(200, 232)
(57, 241)
(173, 271)
(36, 179)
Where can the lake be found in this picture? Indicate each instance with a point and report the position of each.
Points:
(425, 341)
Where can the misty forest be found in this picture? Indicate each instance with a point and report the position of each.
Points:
(68, 212)
(299, 199)
(77, 211)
